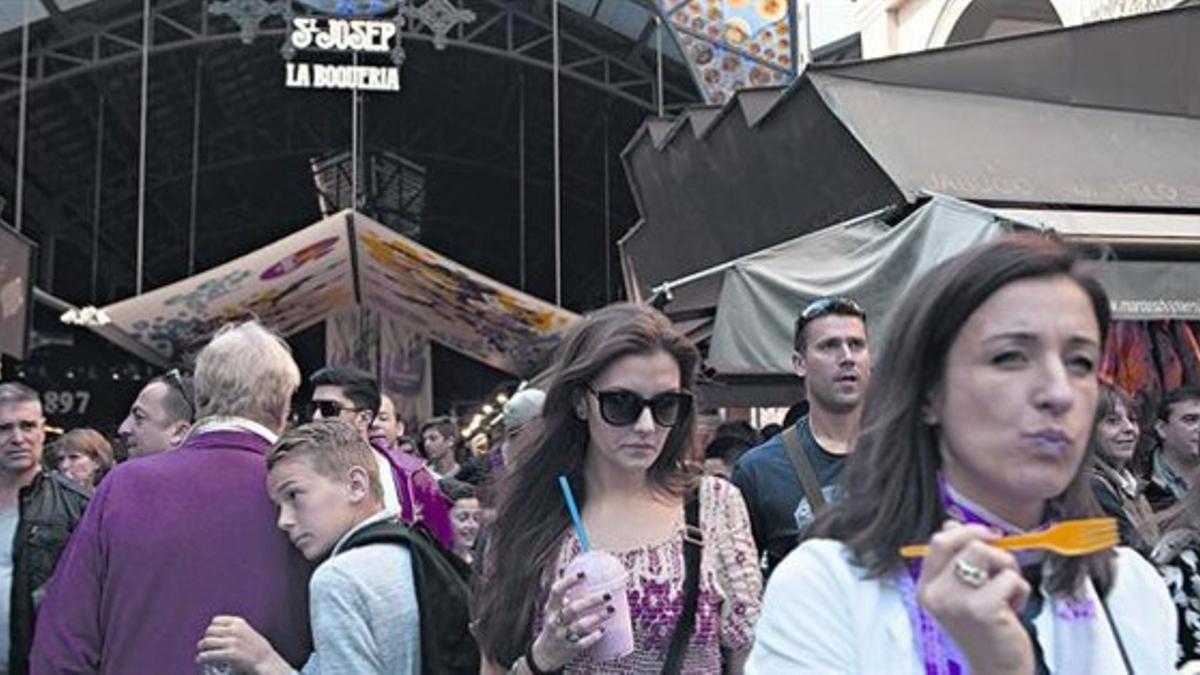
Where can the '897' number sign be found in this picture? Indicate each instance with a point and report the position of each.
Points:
(66, 402)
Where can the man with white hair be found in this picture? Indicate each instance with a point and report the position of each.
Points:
(173, 539)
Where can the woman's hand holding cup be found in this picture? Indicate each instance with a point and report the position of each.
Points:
(571, 626)
(976, 591)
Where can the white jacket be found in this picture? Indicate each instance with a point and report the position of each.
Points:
(821, 615)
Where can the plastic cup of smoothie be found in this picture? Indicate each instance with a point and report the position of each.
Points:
(604, 573)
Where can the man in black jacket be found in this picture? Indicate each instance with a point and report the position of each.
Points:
(38, 511)
(1177, 457)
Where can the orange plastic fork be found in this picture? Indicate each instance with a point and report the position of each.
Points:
(1069, 538)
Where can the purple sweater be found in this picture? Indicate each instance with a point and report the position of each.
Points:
(168, 542)
(421, 500)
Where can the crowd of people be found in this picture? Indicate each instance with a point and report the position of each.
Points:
(240, 536)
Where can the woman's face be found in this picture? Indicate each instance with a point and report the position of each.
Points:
(1015, 408)
(633, 447)
(464, 517)
(1118, 434)
(78, 466)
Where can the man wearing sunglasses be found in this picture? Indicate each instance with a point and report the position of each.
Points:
(38, 511)
(409, 490)
(786, 480)
(161, 416)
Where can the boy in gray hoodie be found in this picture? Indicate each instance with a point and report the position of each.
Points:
(363, 605)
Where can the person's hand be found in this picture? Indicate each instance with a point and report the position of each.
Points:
(976, 591)
(571, 627)
(230, 641)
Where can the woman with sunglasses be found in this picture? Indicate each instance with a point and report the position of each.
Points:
(976, 425)
(616, 422)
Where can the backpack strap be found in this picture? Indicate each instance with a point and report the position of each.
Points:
(804, 468)
(443, 593)
(693, 544)
(1112, 625)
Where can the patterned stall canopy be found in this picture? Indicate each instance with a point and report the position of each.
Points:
(344, 260)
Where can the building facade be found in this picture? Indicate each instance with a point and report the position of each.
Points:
(891, 27)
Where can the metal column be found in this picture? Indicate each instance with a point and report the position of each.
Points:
(96, 195)
(195, 187)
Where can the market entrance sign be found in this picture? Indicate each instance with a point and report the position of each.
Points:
(325, 41)
(325, 36)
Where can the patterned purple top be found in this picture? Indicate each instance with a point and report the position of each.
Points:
(730, 589)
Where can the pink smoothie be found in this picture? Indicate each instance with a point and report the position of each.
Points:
(604, 573)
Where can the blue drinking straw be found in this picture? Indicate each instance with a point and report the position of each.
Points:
(570, 499)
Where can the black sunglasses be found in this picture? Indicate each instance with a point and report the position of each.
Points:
(621, 407)
(327, 409)
(174, 379)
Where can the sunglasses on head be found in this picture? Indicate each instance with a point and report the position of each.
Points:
(621, 407)
(174, 379)
(831, 305)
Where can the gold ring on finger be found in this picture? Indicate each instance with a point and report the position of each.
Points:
(969, 574)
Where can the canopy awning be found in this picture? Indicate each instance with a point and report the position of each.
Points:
(1116, 228)
(753, 301)
(1103, 116)
(744, 310)
(343, 260)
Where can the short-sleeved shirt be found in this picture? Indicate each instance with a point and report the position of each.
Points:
(779, 512)
(730, 594)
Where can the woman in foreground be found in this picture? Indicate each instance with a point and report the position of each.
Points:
(976, 426)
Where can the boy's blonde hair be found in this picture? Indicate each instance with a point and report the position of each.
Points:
(332, 447)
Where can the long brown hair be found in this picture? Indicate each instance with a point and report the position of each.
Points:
(890, 488)
(530, 516)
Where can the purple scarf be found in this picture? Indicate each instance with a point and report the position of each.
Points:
(941, 655)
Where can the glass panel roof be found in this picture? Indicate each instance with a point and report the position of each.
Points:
(626, 18)
(350, 7)
(728, 44)
(584, 7)
(13, 13)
